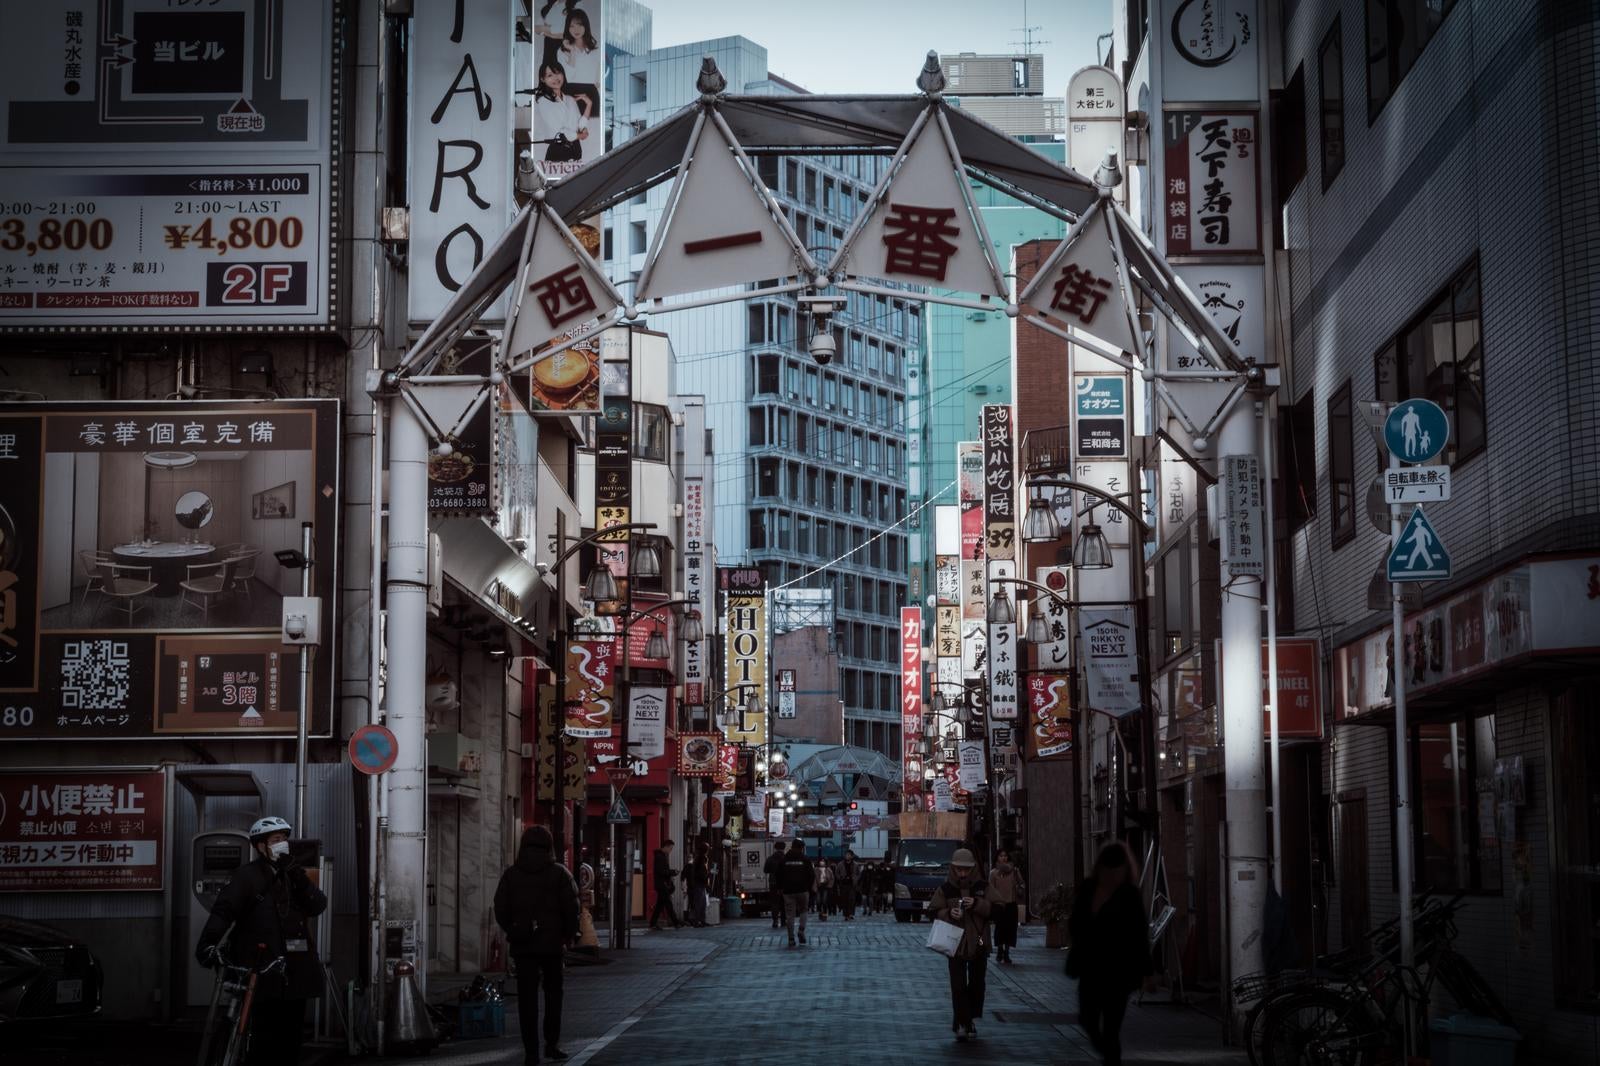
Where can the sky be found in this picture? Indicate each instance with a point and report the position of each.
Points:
(878, 46)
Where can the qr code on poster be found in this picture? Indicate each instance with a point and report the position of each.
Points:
(94, 675)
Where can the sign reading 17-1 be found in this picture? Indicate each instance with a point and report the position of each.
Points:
(1416, 431)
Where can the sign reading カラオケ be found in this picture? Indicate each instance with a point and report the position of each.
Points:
(82, 831)
(168, 164)
(139, 595)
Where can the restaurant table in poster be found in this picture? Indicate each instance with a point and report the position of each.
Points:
(82, 831)
(118, 522)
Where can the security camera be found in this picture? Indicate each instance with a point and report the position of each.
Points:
(542, 567)
(822, 309)
(823, 347)
(294, 626)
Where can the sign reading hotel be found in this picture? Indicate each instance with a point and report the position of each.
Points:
(745, 626)
(139, 595)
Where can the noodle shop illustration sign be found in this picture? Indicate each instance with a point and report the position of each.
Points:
(591, 671)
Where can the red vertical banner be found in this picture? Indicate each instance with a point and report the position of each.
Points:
(910, 706)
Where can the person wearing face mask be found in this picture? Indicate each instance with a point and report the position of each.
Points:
(266, 906)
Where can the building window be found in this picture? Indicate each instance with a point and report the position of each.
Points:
(1439, 356)
(1331, 89)
(767, 375)
(756, 319)
(1397, 32)
(766, 477)
(1297, 462)
(1288, 114)
(607, 252)
(758, 529)
(767, 171)
(651, 429)
(638, 242)
(1341, 468)
(757, 419)
(638, 93)
(1452, 762)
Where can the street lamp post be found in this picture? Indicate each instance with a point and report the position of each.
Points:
(601, 587)
(1090, 551)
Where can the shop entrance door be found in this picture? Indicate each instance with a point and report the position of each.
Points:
(1355, 912)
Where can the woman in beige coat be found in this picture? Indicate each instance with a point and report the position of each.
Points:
(1006, 892)
(963, 901)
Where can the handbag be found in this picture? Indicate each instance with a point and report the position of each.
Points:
(944, 937)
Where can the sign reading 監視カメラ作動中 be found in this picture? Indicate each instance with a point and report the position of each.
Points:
(82, 831)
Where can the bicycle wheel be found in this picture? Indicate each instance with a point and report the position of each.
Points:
(1469, 988)
(1255, 1019)
(1319, 1027)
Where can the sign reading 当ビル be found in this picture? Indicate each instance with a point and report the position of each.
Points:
(82, 831)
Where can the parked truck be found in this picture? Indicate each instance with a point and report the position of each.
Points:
(922, 856)
(751, 876)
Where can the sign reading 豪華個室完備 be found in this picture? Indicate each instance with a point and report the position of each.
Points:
(169, 165)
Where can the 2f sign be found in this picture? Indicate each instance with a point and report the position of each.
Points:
(461, 134)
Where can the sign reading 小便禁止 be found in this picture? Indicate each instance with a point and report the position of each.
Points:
(1212, 183)
(82, 831)
(169, 165)
(107, 512)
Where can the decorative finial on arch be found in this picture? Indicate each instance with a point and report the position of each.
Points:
(931, 79)
(710, 82)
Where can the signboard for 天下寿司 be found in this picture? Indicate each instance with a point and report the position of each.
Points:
(107, 512)
(1212, 182)
(82, 831)
(168, 165)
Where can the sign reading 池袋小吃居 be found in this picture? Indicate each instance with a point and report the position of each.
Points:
(82, 831)
(169, 166)
(116, 521)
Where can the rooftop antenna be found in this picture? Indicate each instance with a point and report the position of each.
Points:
(1027, 32)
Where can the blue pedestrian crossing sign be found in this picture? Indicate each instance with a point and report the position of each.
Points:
(1416, 431)
(1419, 555)
(618, 814)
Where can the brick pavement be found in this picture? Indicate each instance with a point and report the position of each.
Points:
(867, 991)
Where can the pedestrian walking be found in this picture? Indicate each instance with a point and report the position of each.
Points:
(536, 903)
(824, 889)
(1006, 893)
(797, 878)
(886, 887)
(845, 885)
(1110, 953)
(773, 868)
(662, 876)
(697, 879)
(262, 912)
(963, 900)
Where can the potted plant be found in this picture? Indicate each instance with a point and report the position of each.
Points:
(1055, 908)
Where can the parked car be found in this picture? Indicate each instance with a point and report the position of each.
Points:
(45, 974)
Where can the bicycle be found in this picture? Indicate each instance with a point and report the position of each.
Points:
(234, 993)
(1352, 1023)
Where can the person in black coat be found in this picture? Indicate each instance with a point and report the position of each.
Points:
(773, 869)
(1110, 952)
(261, 914)
(536, 903)
(661, 876)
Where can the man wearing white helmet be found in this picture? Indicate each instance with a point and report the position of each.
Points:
(263, 915)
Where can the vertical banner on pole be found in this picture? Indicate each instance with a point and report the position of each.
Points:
(911, 707)
(613, 464)
(745, 626)
(696, 586)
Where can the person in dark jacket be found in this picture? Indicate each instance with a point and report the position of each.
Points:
(963, 901)
(797, 878)
(773, 869)
(261, 914)
(697, 879)
(1110, 952)
(661, 876)
(844, 885)
(536, 903)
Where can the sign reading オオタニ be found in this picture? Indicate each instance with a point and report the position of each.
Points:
(88, 831)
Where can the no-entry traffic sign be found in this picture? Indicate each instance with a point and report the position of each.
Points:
(373, 749)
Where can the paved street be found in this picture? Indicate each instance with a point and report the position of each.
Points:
(868, 991)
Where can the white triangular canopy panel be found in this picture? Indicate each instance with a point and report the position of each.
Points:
(1079, 286)
(559, 288)
(721, 230)
(922, 229)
